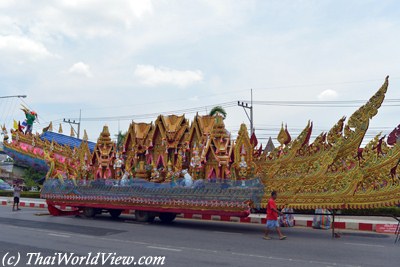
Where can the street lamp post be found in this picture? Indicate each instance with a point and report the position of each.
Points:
(13, 96)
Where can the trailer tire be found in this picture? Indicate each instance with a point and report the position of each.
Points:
(167, 217)
(98, 211)
(89, 212)
(115, 213)
(144, 216)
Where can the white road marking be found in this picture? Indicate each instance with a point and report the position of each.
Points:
(364, 245)
(231, 233)
(52, 234)
(160, 246)
(295, 260)
(164, 248)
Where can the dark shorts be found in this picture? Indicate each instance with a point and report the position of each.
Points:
(16, 200)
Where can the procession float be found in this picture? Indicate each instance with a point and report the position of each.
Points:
(173, 166)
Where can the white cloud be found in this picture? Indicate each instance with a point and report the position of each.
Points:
(18, 45)
(153, 76)
(107, 19)
(238, 44)
(6, 3)
(327, 95)
(80, 68)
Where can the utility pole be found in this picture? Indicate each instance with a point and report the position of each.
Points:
(79, 125)
(76, 123)
(245, 106)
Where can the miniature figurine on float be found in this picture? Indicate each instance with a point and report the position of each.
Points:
(243, 167)
(30, 117)
(195, 163)
(118, 164)
(4, 132)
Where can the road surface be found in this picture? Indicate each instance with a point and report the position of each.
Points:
(188, 242)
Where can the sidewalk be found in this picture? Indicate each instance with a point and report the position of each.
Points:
(25, 202)
(362, 223)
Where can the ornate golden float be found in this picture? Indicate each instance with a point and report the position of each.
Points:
(331, 172)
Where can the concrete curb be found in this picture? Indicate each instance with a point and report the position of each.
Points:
(304, 222)
(30, 204)
(348, 224)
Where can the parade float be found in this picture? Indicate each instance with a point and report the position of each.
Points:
(173, 166)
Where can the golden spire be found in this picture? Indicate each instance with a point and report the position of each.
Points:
(282, 136)
(50, 126)
(104, 137)
(85, 136)
(60, 130)
(72, 134)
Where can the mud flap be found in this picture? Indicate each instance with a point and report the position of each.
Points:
(53, 210)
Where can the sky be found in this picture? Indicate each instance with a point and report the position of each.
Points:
(127, 58)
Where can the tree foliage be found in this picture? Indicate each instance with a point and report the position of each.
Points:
(120, 139)
(33, 177)
(218, 110)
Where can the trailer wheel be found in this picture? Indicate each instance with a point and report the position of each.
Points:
(144, 216)
(89, 212)
(167, 217)
(115, 213)
(98, 211)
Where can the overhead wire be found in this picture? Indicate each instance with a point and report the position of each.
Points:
(230, 104)
(323, 104)
(5, 103)
(9, 111)
(321, 84)
(154, 115)
(11, 118)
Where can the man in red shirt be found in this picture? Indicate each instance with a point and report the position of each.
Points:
(272, 218)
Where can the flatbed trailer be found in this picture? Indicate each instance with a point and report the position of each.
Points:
(150, 200)
(142, 214)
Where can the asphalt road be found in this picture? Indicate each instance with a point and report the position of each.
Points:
(187, 242)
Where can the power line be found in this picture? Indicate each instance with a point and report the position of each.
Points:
(321, 84)
(231, 92)
(246, 106)
(324, 104)
(154, 115)
(4, 109)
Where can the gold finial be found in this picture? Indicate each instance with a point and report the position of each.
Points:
(60, 130)
(72, 134)
(50, 127)
(85, 136)
(282, 136)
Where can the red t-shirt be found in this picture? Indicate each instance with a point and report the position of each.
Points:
(271, 214)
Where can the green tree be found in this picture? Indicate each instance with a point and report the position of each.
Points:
(120, 139)
(33, 177)
(218, 110)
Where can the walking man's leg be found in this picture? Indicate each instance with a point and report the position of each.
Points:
(281, 236)
(267, 230)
